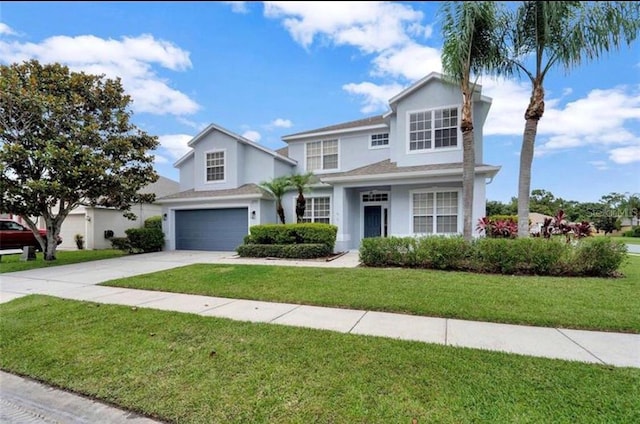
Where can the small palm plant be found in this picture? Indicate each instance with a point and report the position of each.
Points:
(301, 183)
(277, 187)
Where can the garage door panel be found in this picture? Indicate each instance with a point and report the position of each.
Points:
(211, 229)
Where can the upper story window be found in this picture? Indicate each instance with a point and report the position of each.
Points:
(214, 166)
(433, 129)
(318, 209)
(322, 155)
(379, 140)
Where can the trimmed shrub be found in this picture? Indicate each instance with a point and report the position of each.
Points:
(634, 232)
(312, 233)
(529, 256)
(145, 239)
(290, 251)
(599, 256)
(389, 251)
(535, 256)
(121, 243)
(153, 222)
(442, 252)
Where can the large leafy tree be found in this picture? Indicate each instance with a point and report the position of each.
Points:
(301, 183)
(469, 48)
(541, 35)
(277, 187)
(66, 140)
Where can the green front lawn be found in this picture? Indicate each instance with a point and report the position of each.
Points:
(627, 240)
(585, 303)
(13, 263)
(185, 368)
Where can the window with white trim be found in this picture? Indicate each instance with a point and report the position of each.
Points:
(433, 129)
(379, 140)
(318, 209)
(322, 155)
(215, 166)
(435, 212)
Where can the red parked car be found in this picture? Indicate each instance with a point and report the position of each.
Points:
(16, 236)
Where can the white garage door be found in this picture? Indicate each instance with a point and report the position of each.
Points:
(72, 225)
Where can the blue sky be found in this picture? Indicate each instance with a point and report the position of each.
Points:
(268, 69)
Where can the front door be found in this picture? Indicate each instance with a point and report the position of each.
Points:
(372, 221)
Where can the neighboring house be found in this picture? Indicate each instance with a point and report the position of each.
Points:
(95, 224)
(536, 221)
(395, 174)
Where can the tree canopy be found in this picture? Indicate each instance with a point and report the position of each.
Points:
(66, 140)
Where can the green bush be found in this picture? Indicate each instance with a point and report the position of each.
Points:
(121, 243)
(599, 256)
(634, 232)
(441, 252)
(512, 218)
(153, 222)
(293, 234)
(521, 256)
(290, 251)
(529, 256)
(145, 239)
(389, 251)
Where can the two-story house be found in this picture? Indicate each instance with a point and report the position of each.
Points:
(397, 174)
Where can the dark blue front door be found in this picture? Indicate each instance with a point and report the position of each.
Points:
(372, 221)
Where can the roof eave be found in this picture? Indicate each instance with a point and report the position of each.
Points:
(210, 198)
(294, 137)
(489, 171)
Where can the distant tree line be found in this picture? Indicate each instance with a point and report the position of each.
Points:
(607, 213)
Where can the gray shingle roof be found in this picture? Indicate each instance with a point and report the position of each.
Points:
(373, 120)
(284, 151)
(388, 167)
(242, 190)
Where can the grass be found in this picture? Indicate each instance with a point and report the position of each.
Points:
(583, 303)
(627, 240)
(13, 263)
(190, 369)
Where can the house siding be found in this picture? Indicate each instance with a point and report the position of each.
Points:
(187, 173)
(215, 141)
(433, 95)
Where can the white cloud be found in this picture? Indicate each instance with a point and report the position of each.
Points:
(132, 59)
(252, 135)
(376, 97)
(386, 30)
(412, 62)
(198, 126)
(625, 155)
(238, 6)
(369, 26)
(600, 165)
(175, 144)
(281, 123)
(6, 29)
(159, 159)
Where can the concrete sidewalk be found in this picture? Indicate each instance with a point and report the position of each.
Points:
(79, 282)
(26, 401)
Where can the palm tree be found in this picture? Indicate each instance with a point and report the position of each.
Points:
(301, 183)
(277, 187)
(469, 48)
(548, 33)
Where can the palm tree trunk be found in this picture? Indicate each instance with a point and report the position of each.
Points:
(301, 205)
(532, 116)
(280, 211)
(468, 180)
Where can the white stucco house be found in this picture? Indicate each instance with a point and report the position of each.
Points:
(397, 174)
(96, 224)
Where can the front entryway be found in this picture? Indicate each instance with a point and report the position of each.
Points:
(372, 221)
(375, 214)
